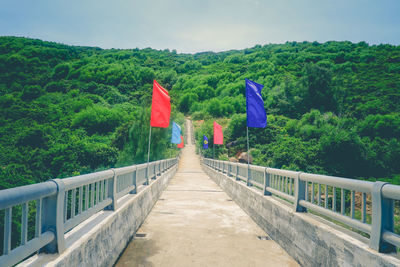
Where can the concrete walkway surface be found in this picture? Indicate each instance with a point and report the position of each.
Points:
(194, 223)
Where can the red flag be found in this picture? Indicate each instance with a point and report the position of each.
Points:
(218, 135)
(160, 107)
(181, 145)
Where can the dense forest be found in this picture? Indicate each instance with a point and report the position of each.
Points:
(71, 110)
(333, 108)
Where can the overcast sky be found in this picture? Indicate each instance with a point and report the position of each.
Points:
(200, 25)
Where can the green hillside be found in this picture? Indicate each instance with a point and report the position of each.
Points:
(70, 110)
(332, 108)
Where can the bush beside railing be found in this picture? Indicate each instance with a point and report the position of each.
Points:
(333, 197)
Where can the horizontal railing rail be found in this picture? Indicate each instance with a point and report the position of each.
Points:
(362, 205)
(61, 204)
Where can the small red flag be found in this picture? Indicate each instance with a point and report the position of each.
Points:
(160, 107)
(181, 145)
(218, 135)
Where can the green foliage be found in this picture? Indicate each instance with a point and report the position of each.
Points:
(332, 107)
(61, 71)
(72, 110)
(385, 126)
(187, 101)
(31, 92)
(98, 119)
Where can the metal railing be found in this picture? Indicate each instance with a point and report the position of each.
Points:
(61, 204)
(365, 206)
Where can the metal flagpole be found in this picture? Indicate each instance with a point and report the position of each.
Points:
(148, 157)
(248, 157)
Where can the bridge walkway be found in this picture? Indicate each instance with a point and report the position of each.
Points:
(195, 223)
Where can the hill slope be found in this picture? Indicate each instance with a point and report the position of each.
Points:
(332, 108)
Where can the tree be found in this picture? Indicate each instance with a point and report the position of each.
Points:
(186, 101)
(318, 92)
(31, 92)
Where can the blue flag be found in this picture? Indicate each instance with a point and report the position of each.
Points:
(176, 134)
(256, 115)
(205, 142)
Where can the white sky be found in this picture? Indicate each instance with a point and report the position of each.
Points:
(202, 25)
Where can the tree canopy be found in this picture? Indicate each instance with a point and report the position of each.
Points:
(333, 107)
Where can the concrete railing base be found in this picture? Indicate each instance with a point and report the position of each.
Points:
(100, 240)
(307, 240)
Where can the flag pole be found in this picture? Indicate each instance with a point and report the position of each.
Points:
(148, 157)
(248, 156)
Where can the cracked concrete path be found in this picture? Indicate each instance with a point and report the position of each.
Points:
(194, 223)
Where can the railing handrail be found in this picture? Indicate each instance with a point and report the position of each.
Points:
(85, 179)
(18, 195)
(295, 187)
(61, 204)
(346, 183)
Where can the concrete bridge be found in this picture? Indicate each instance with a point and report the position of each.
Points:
(203, 213)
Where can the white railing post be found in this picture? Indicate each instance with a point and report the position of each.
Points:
(237, 172)
(112, 191)
(299, 193)
(53, 218)
(134, 173)
(266, 183)
(382, 219)
(248, 175)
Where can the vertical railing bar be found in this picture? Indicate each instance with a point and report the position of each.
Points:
(334, 199)
(87, 197)
(306, 198)
(7, 231)
(73, 199)
(326, 196)
(286, 189)
(274, 181)
(342, 201)
(97, 192)
(278, 182)
(101, 190)
(312, 192)
(352, 204)
(319, 194)
(106, 186)
(364, 208)
(118, 182)
(287, 185)
(65, 205)
(92, 195)
(38, 220)
(271, 180)
(24, 224)
(80, 199)
(290, 186)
